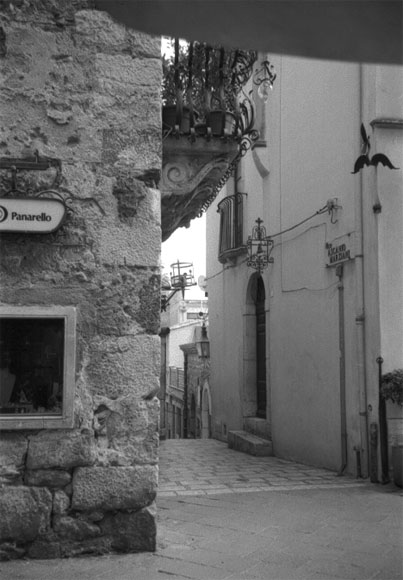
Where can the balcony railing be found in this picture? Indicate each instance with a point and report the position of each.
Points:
(231, 226)
(201, 91)
(208, 125)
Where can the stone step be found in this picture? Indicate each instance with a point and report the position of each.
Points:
(248, 443)
(257, 426)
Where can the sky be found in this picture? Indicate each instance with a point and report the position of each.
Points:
(188, 245)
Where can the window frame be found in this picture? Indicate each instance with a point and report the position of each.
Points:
(230, 242)
(66, 419)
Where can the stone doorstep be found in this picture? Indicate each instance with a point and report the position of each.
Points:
(248, 443)
(257, 426)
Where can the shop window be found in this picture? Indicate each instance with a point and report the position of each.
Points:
(37, 367)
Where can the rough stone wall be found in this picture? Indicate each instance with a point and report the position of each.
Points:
(79, 87)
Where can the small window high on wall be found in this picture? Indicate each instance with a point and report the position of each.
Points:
(231, 225)
(37, 367)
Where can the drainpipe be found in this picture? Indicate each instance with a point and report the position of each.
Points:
(363, 459)
(342, 348)
(383, 427)
(185, 397)
(163, 380)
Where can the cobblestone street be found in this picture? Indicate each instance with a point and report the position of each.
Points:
(207, 466)
(226, 515)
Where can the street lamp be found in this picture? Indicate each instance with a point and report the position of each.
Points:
(259, 247)
(203, 344)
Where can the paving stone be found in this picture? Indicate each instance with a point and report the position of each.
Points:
(336, 529)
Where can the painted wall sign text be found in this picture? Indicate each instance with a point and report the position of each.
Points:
(38, 215)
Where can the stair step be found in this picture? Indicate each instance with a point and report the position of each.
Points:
(248, 443)
(257, 426)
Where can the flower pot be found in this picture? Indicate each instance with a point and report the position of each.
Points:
(222, 123)
(397, 464)
(201, 129)
(169, 118)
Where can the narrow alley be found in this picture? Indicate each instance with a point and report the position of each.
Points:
(207, 466)
(226, 515)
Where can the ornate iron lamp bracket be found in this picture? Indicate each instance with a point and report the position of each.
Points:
(264, 78)
(259, 247)
(35, 163)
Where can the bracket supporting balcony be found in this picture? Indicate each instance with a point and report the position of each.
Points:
(192, 175)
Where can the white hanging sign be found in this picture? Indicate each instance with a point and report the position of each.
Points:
(31, 215)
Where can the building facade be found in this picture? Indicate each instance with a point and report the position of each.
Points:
(79, 304)
(181, 368)
(295, 346)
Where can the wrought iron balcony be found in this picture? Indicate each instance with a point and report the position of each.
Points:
(208, 125)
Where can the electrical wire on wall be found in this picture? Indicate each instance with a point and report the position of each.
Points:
(326, 208)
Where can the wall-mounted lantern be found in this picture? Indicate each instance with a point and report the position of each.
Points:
(259, 247)
(181, 277)
(203, 344)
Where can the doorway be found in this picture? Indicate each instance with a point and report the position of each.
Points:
(255, 398)
(260, 314)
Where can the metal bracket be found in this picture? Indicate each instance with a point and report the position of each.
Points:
(35, 163)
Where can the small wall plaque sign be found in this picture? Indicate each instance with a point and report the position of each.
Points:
(340, 250)
(31, 215)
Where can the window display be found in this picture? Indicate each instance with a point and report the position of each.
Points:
(36, 358)
(31, 365)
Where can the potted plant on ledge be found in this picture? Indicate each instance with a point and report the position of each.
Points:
(392, 391)
(202, 90)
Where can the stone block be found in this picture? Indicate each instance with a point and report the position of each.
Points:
(90, 546)
(49, 449)
(129, 120)
(10, 551)
(29, 53)
(114, 488)
(144, 44)
(124, 75)
(13, 449)
(61, 502)
(132, 532)
(124, 367)
(130, 427)
(45, 547)
(74, 529)
(129, 193)
(25, 513)
(52, 478)
(136, 151)
(131, 244)
(97, 29)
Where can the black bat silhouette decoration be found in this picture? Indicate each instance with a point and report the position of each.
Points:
(364, 158)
